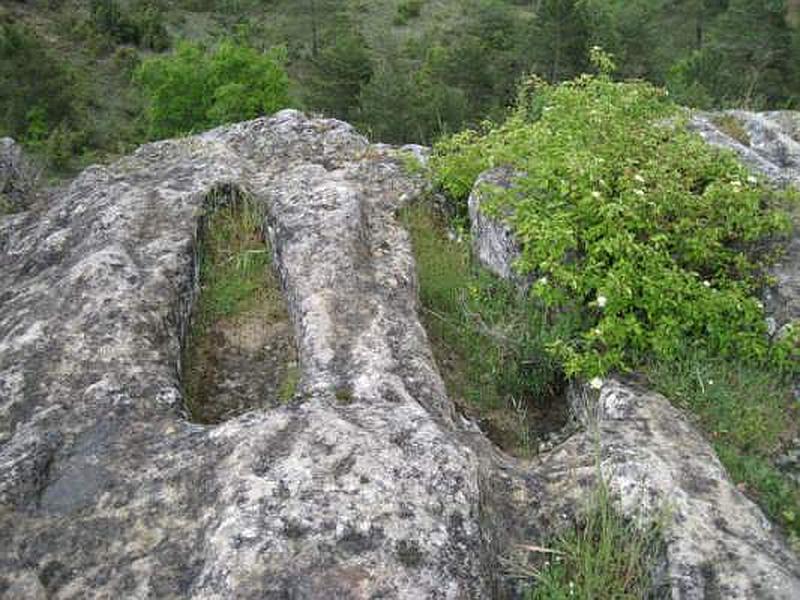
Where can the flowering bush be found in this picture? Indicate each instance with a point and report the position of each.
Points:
(658, 241)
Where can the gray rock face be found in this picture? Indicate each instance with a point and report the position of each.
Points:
(771, 144)
(658, 466)
(362, 490)
(16, 177)
(368, 487)
(493, 242)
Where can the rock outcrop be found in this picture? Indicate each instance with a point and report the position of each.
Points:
(367, 484)
(360, 490)
(493, 242)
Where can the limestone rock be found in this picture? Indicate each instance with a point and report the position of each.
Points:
(493, 242)
(363, 489)
(658, 466)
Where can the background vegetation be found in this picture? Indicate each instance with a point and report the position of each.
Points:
(403, 70)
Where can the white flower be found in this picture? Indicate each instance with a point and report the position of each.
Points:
(542, 281)
(602, 301)
(707, 283)
(752, 180)
(597, 195)
(639, 192)
(638, 178)
(596, 383)
(710, 382)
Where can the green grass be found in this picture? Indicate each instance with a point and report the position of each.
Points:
(233, 259)
(289, 387)
(749, 414)
(237, 288)
(733, 127)
(604, 556)
(756, 476)
(488, 338)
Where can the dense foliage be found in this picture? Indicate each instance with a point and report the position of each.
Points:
(194, 89)
(41, 97)
(629, 220)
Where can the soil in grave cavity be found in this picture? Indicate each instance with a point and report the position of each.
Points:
(240, 353)
(489, 341)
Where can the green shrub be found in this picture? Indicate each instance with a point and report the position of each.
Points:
(408, 9)
(38, 90)
(658, 240)
(148, 22)
(195, 89)
(142, 26)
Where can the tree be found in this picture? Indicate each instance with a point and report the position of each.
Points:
(194, 89)
(338, 74)
(559, 39)
(401, 104)
(754, 42)
(747, 59)
(38, 91)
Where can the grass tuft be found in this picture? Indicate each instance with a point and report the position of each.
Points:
(488, 338)
(240, 295)
(732, 127)
(604, 555)
(749, 415)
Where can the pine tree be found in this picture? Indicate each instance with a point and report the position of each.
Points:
(338, 73)
(560, 39)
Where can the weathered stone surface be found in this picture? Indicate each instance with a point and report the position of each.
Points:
(493, 242)
(362, 490)
(657, 466)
